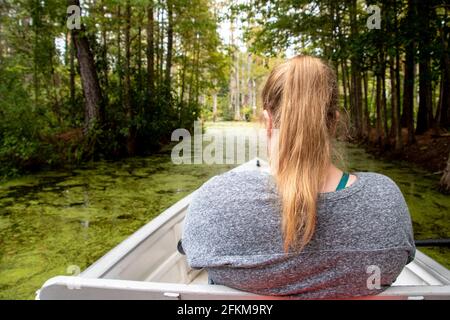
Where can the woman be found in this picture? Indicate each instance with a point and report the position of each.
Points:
(305, 228)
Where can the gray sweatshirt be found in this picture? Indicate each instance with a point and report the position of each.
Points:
(232, 229)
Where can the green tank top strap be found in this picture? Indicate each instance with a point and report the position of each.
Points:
(343, 181)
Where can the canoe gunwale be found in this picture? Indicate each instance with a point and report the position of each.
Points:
(102, 266)
(67, 287)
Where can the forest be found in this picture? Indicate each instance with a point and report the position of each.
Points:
(117, 81)
(116, 86)
(92, 90)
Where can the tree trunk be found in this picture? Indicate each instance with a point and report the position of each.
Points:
(197, 71)
(394, 106)
(169, 45)
(1, 38)
(384, 102)
(344, 84)
(425, 114)
(104, 53)
(444, 103)
(409, 76)
(445, 180)
(408, 92)
(254, 97)
(425, 95)
(160, 46)
(214, 106)
(119, 54)
(139, 60)
(72, 72)
(232, 65)
(150, 55)
(379, 107)
(397, 90)
(356, 74)
(131, 138)
(366, 123)
(237, 111)
(183, 76)
(89, 78)
(249, 80)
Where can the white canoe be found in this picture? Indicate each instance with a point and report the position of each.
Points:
(147, 265)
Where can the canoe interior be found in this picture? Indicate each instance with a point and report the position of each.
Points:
(148, 261)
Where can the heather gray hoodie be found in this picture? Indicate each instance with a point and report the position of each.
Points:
(232, 229)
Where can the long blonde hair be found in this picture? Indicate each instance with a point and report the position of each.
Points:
(302, 97)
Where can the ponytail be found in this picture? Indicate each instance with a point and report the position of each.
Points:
(301, 95)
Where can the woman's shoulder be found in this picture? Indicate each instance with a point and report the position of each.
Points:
(377, 180)
(233, 190)
(237, 181)
(377, 186)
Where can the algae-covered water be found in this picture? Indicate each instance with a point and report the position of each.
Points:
(53, 223)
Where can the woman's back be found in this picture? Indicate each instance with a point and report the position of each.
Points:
(233, 230)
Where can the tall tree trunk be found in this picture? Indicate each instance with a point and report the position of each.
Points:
(425, 114)
(397, 89)
(394, 104)
(193, 93)
(131, 138)
(384, 102)
(1, 37)
(160, 45)
(249, 80)
(366, 124)
(197, 72)
(169, 45)
(139, 61)
(214, 105)
(409, 76)
(104, 52)
(232, 64)
(119, 54)
(89, 78)
(72, 72)
(379, 108)
(36, 18)
(237, 111)
(344, 84)
(183, 76)
(150, 55)
(444, 103)
(254, 97)
(408, 92)
(425, 96)
(356, 73)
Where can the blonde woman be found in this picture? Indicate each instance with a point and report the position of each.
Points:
(305, 228)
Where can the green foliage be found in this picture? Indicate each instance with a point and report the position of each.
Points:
(42, 104)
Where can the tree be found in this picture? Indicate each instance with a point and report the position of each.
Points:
(445, 180)
(128, 106)
(150, 54)
(88, 73)
(425, 113)
(169, 46)
(407, 119)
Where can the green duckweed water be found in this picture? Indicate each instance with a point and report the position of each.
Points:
(52, 220)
